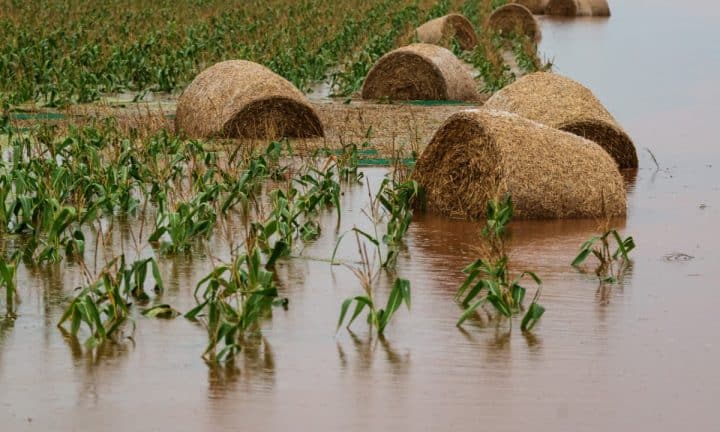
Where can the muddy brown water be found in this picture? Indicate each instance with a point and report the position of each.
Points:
(643, 356)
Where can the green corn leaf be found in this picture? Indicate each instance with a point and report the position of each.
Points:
(161, 311)
(76, 321)
(343, 311)
(362, 302)
(337, 245)
(194, 312)
(372, 239)
(94, 315)
(469, 311)
(518, 294)
(581, 257)
(474, 292)
(157, 276)
(532, 316)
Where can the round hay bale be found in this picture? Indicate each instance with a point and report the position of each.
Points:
(238, 98)
(535, 6)
(514, 18)
(440, 30)
(599, 8)
(479, 154)
(420, 72)
(564, 104)
(562, 7)
(578, 8)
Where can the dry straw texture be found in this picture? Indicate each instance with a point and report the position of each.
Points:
(479, 154)
(535, 6)
(420, 72)
(513, 18)
(441, 30)
(238, 98)
(578, 8)
(564, 104)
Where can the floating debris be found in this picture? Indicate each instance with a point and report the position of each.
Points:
(678, 256)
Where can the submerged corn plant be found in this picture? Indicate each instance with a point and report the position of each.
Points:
(347, 162)
(377, 318)
(294, 211)
(176, 230)
(397, 199)
(232, 302)
(394, 201)
(489, 279)
(8, 278)
(611, 264)
(103, 306)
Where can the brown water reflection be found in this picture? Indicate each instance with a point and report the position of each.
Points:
(644, 357)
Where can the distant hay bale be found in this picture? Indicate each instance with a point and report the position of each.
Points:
(441, 30)
(238, 98)
(513, 18)
(599, 8)
(578, 8)
(420, 72)
(535, 6)
(479, 154)
(564, 104)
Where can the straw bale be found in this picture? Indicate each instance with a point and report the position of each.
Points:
(578, 8)
(514, 18)
(440, 30)
(420, 72)
(562, 103)
(479, 154)
(535, 6)
(238, 98)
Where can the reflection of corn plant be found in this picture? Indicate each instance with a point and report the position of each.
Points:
(489, 279)
(611, 265)
(376, 318)
(8, 278)
(233, 299)
(104, 305)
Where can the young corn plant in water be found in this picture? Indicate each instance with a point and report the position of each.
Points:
(232, 302)
(347, 162)
(104, 305)
(489, 279)
(8, 278)
(612, 264)
(294, 211)
(175, 231)
(377, 318)
(397, 201)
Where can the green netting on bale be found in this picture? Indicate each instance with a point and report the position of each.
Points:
(439, 103)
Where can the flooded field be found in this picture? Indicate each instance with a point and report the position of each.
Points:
(642, 356)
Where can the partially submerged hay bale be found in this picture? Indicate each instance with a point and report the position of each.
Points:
(479, 154)
(535, 6)
(564, 104)
(440, 30)
(238, 98)
(514, 18)
(420, 72)
(578, 8)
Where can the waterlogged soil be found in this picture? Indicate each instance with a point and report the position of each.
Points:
(641, 356)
